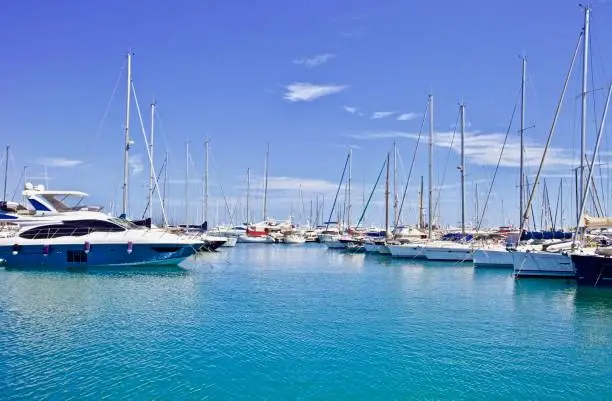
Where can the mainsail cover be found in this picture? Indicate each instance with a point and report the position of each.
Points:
(595, 222)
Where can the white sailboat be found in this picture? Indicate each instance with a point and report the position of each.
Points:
(545, 263)
(449, 250)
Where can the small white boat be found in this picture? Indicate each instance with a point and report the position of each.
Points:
(230, 242)
(294, 239)
(248, 239)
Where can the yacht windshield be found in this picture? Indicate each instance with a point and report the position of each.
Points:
(65, 203)
(126, 224)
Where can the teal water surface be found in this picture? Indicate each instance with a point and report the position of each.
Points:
(302, 322)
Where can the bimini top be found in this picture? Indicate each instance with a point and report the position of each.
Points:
(43, 200)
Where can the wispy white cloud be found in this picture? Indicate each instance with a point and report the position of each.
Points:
(291, 184)
(349, 146)
(408, 116)
(59, 162)
(381, 114)
(484, 148)
(315, 60)
(306, 92)
(350, 109)
(136, 164)
(307, 184)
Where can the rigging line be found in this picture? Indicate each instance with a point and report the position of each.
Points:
(159, 121)
(416, 148)
(450, 149)
(108, 105)
(150, 159)
(155, 183)
(595, 120)
(14, 169)
(486, 202)
(230, 214)
(372, 193)
(550, 134)
(331, 212)
(21, 177)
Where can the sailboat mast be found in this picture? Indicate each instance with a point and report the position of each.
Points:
(462, 167)
(478, 222)
(6, 157)
(165, 180)
(151, 166)
(395, 198)
(187, 185)
(561, 203)
(522, 131)
(265, 197)
(430, 211)
(350, 178)
(421, 217)
(248, 194)
(126, 149)
(205, 211)
(387, 198)
(583, 114)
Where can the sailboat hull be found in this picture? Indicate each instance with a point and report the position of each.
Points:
(493, 258)
(409, 251)
(593, 270)
(542, 264)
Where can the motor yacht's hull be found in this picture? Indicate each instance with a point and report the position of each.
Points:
(71, 255)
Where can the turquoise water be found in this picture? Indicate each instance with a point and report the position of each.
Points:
(283, 322)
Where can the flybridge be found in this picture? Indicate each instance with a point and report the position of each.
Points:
(45, 201)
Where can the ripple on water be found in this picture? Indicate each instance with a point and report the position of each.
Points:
(274, 322)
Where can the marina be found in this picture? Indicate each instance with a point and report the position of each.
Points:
(361, 202)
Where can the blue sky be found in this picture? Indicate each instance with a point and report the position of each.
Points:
(310, 77)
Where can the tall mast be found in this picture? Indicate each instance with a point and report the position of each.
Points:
(165, 180)
(187, 185)
(151, 165)
(430, 210)
(387, 199)
(561, 202)
(248, 194)
(421, 217)
(6, 157)
(265, 197)
(478, 222)
(522, 131)
(462, 168)
(126, 149)
(395, 198)
(205, 211)
(583, 114)
(350, 178)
